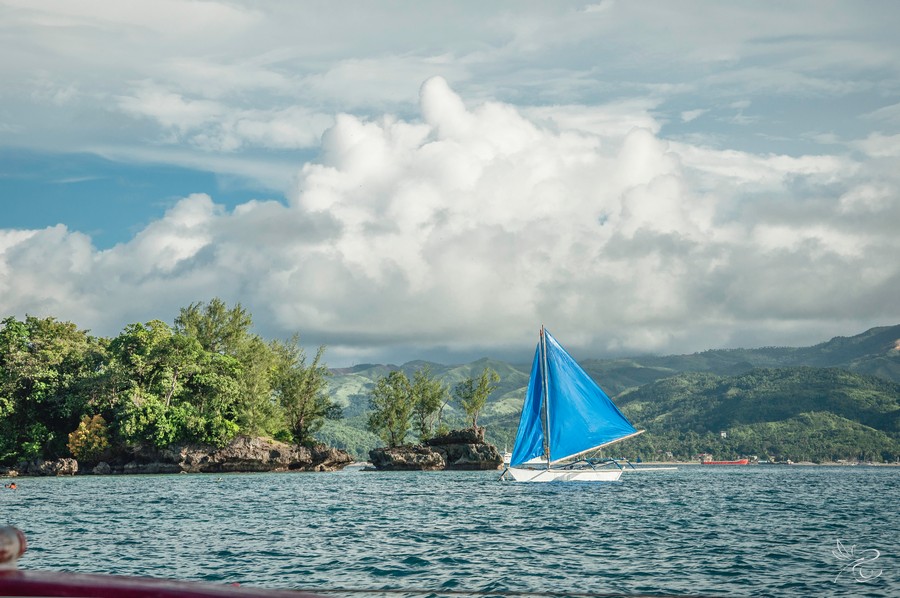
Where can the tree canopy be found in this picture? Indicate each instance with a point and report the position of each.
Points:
(301, 390)
(429, 395)
(473, 394)
(204, 379)
(398, 404)
(391, 401)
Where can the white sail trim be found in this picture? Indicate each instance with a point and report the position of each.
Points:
(594, 448)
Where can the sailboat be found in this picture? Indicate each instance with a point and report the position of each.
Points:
(565, 416)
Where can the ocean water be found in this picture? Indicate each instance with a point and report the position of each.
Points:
(697, 531)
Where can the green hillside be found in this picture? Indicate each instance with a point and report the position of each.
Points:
(872, 352)
(803, 413)
(779, 401)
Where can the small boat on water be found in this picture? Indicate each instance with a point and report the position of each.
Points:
(565, 415)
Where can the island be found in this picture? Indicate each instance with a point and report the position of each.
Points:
(464, 449)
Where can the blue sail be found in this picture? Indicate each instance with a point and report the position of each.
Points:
(530, 437)
(581, 416)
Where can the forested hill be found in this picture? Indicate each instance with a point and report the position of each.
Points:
(801, 413)
(876, 352)
(770, 401)
(702, 402)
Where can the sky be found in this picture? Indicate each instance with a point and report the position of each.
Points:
(435, 180)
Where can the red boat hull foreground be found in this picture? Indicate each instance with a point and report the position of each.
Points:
(14, 582)
(52, 583)
(735, 462)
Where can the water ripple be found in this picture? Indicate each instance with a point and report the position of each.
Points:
(753, 531)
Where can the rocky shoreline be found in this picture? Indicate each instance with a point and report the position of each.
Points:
(461, 450)
(242, 454)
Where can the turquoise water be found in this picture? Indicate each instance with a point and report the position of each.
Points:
(724, 531)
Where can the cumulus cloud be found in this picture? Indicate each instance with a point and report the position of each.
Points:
(461, 232)
(193, 83)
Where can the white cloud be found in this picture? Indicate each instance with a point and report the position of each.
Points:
(214, 126)
(868, 198)
(689, 115)
(171, 110)
(472, 227)
(171, 18)
(889, 114)
(536, 179)
(878, 145)
(605, 120)
(163, 246)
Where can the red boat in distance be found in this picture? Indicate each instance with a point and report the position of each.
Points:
(708, 460)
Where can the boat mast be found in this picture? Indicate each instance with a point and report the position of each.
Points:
(546, 399)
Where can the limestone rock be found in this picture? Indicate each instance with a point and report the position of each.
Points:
(471, 456)
(39, 467)
(463, 449)
(326, 458)
(242, 454)
(406, 458)
(466, 449)
(464, 436)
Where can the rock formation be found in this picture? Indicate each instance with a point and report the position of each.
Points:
(406, 458)
(459, 450)
(242, 454)
(39, 467)
(467, 449)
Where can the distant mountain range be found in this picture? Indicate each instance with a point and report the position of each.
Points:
(875, 352)
(839, 399)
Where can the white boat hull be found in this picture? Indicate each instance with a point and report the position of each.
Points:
(564, 475)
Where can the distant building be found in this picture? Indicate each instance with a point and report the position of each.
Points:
(723, 434)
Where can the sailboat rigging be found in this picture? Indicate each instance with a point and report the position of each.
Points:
(565, 415)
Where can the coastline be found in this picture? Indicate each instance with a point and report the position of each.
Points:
(802, 463)
(244, 454)
(12, 473)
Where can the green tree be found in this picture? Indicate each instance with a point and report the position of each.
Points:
(473, 395)
(144, 418)
(169, 388)
(90, 439)
(207, 412)
(257, 410)
(391, 402)
(146, 359)
(301, 390)
(217, 328)
(43, 363)
(428, 395)
(226, 331)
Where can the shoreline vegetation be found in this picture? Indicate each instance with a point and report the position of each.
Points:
(368, 466)
(206, 380)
